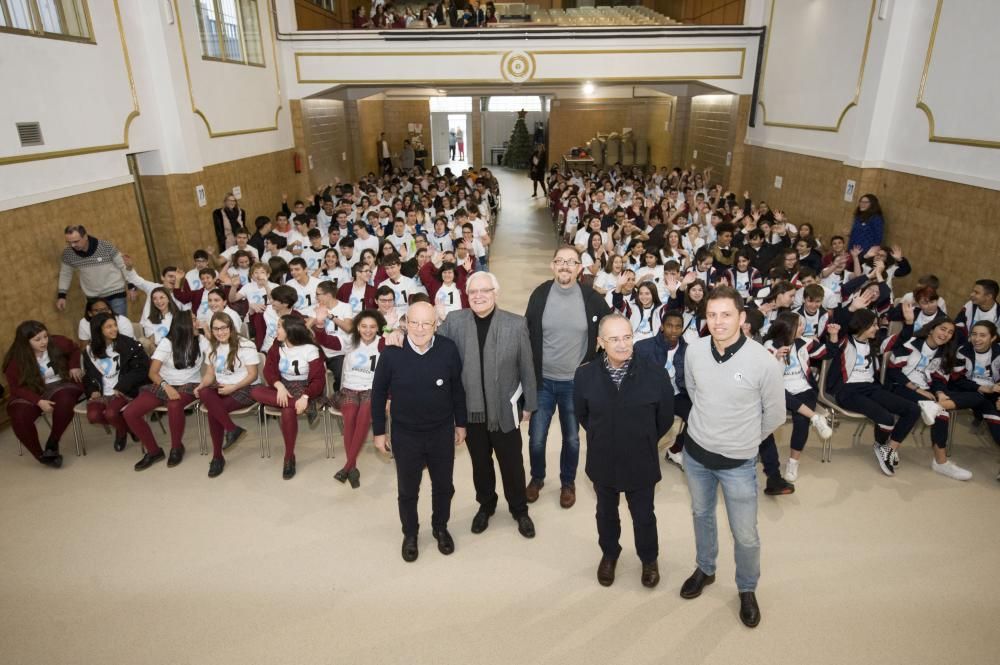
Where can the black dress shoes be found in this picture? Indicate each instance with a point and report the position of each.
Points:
(693, 585)
(51, 457)
(230, 438)
(149, 460)
(354, 477)
(650, 575)
(446, 545)
(341, 475)
(176, 457)
(288, 472)
(410, 550)
(606, 571)
(525, 526)
(481, 521)
(749, 612)
(215, 467)
(120, 441)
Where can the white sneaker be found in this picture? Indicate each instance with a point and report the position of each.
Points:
(929, 411)
(676, 458)
(894, 457)
(792, 470)
(821, 426)
(951, 470)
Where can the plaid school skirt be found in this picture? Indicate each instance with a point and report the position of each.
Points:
(241, 396)
(348, 396)
(161, 394)
(51, 389)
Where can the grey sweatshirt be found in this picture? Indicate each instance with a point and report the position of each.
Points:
(102, 270)
(737, 403)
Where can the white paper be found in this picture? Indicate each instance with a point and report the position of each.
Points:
(513, 404)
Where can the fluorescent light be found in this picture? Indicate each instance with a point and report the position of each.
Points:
(588, 88)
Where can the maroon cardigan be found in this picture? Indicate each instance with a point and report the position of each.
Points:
(14, 377)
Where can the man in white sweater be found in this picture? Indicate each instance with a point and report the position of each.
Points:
(738, 399)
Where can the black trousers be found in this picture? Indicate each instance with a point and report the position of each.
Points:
(482, 445)
(768, 451)
(609, 527)
(682, 409)
(413, 451)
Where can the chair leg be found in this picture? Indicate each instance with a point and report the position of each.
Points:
(81, 447)
(326, 431)
(953, 415)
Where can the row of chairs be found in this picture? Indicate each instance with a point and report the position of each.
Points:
(596, 16)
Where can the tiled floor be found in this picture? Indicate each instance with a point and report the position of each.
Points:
(104, 565)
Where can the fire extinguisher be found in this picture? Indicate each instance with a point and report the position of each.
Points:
(297, 161)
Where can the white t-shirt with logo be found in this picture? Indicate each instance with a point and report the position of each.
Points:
(47, 369)
(340, 311)
(170, 373)
(359, 365)
(403, 289)
(124, 328)
(246, 356)
(293, 361)
(864, 366)
(109, 366)
(306, 304)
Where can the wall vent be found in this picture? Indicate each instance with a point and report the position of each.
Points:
(30, 134)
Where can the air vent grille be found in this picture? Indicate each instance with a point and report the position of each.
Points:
(30, 134)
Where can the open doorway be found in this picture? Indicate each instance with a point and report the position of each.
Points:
(450, 131)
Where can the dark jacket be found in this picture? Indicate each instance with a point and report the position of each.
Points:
(236, 224)
(134, 372)
(596, 309)
(623, 424)
(653, 351)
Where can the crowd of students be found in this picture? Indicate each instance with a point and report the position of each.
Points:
(263, 320)
(311, 290)
(382, 15)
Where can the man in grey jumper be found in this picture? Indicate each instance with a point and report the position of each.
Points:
(738, 398)
(102, 270)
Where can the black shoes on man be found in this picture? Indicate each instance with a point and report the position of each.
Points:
(482, 521)
(410, 551)
(749, 610)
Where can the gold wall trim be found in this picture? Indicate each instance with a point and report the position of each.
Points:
(532, 55)
(133, 114)
(922, 105)
(857, 88)
(187, 75)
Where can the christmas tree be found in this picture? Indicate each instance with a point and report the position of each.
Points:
(519, 148)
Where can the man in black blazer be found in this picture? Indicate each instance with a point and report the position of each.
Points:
(625, 406)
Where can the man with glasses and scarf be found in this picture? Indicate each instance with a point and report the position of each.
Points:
(562, 315)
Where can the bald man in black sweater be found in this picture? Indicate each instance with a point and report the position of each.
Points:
(424, 378)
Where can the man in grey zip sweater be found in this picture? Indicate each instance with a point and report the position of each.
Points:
(738, 398)
(102, 270)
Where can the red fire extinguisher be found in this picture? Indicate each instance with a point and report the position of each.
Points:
(297, 160)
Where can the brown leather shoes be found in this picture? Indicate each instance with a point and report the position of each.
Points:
(650, 575)
(606, 571)
(567, 496)
(531, 491)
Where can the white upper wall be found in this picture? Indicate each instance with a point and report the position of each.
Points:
(824, 93)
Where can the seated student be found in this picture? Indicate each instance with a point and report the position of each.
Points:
(890, 261)
(274, 246)
(838, 247)
(359, 293)
(853, 379)
(385, 299)
(101, 306)
(808, 255)
(156, 324)
(607, 279)
(197, 299)
(813, 315)
(304, 285)
(43, 374)
(315, 252)
(231, 368)
(399, 284)
(723, 252)
(475, 247)
(667, 350)
(115, 367)
(263, 226)
(977, 370)
(982, 306)
(645, 317)
(446, 286)
(743, 276)
(919, 368)
(363, 238)
(242, 245)
(283, 229)
(216, 299)
(694, 310)
(330, 269)
(622, 298)
(255, 294)
(441, 239)
(238, 271)
(331, 326)
(786, 340)
(175, 371)
(192, 278)
(927, 307)
(295, 378)
(353, 399)
(773, 300)
(651, 270)
(283, 299)
(704, 267)
(832, 279)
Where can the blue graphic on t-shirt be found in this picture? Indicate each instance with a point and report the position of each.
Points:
(284, 365)
(359, 360)
(220, 361)
(355, 303)
(979, 372)
(107, 366)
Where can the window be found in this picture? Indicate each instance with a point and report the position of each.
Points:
(451, 104)
(58, 19)
(512, 103)
(230, 31)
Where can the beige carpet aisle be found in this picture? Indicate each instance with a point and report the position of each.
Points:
(99, 564)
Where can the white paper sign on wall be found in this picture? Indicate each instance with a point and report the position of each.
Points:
(310, 158)
(729, 158)
(202, 198)
(694, 154)
(237, 192)
(777, 182)
(849, 190)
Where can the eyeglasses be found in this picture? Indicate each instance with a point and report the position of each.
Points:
(387, 300)
(559, 263)
(617, 340)
(480, 292)
(420, 325)
(220, 328)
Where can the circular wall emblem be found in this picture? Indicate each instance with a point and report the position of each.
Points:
(517, 66)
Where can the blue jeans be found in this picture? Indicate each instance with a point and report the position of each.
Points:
(118, 304)
(739, 490)
(551, 394)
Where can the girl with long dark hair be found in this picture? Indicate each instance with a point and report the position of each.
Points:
(295, 377)
(43, 374)
(175, 371)
(115, 367)
(231, 367)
